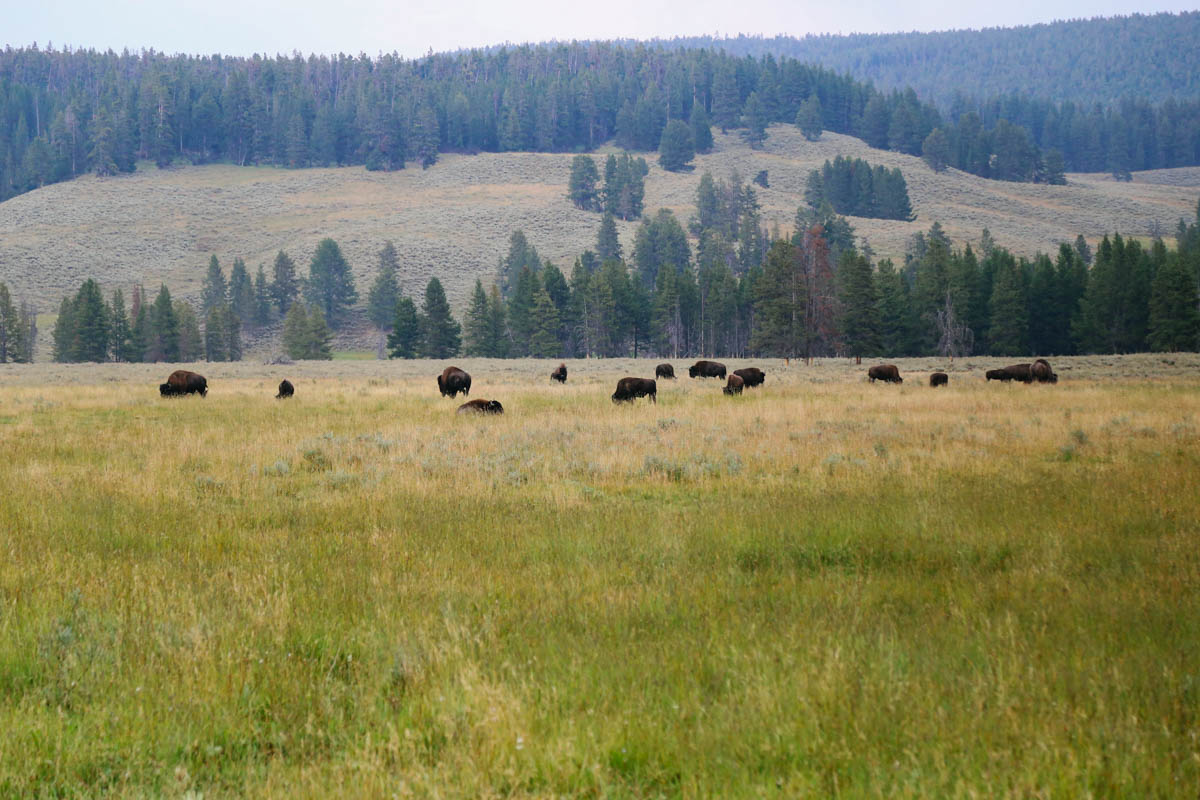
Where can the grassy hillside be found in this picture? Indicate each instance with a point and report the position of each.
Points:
(822, 587)
(454, 219)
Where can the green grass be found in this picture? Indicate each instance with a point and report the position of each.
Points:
(821, 587)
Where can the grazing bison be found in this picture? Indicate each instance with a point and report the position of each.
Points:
(734, 384)
(886, 373)
(664, 371)
(481, 407)
(181, 381)
(753, 376)
(707, 369)
(452, 381)
(285, 389)
(939, 379)
(559, 374)
(1040, 371)
(1013, 372)
(630, 388)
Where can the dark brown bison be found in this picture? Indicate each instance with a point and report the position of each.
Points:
(939, 379)
(285, 389)
(664, 371)
(1040, 371)
(630, 388)
(559, 374)
(998, 375)
(481, 407)
(1013, 372)
(452, 381)
(707, 369)
(181, 381)
(753, 376)
(886, 373)
(734, 384)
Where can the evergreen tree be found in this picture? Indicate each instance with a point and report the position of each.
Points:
(139, 329)
(727, 101)
(241, 292)
(1174, 318)
(216, 334)
(285, 287)
(476, 323)
(330, 285)
(544, 341)
(214, 291)
(64, 332)
(896, 323)
(755, 119)
(582, 185)
(191, 340)
(608, 245)
(677, 148)
(405, 337)
(808, 118)
(521, 319)
(28, 338)
(936, 150)
(381, 299)
(262, 298)
(521, 254)
(859, 304)
(780, 302)
(1055, 168)
(295, 331)
(319, 338)
(10, 328)
(118, 339)
(90, 324)
(1008, 330)
(702, 136)
(426, 137)
(440, 334)
(497, 332)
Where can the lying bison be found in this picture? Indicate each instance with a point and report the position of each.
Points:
(753, 376)
(734, 384)
(1013, 372)
(886, 373)
(452, 381)
(182, 381)
(285, 389)
(630, 388)
(707, 369)
(481, 407)
(559, 374)
(939, 379)
(1040, 371)
(664, 371)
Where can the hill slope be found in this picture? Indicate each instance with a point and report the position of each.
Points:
(454, 219)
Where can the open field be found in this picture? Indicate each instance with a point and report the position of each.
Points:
(454, 220)
(823, 587)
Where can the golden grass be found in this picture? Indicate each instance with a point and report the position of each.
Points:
(820, 587)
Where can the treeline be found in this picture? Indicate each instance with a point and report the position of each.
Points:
(65, 113)
(1084, 61)
(18, 329)
(854, 187)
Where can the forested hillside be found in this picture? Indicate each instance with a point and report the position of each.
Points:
(1084, 61)
(63, 113)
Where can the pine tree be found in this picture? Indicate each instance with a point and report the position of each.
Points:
(330, 284)
(581, 186)
(262, 298)
(475, 324)
(10, 328)
(809, 118)
(440, 334)
(285, 287)
(859, 303)
(318, 336)
(936, 150)
(608, 245)
(191, 340)
(214, 291)
(779, 303)
(381, 299)
(755, 119)
(520, 311)
(216, 334)
(544, 342)
(497, 333)
(702, 136)
(139, 329)
(405, 337)
(295, 331)
(1009, 326)
(1055, 168)
(28, 337)
(1174, 318)
(727, 101)
(118, 340)
(676, 148)
(90, 324)
(426, 137)
(241, 292)
(896, 323)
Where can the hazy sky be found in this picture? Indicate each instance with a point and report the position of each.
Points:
(242, 27)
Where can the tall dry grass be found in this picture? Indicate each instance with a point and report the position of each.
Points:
(821, 587)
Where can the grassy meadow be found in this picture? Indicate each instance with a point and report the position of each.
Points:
(822, 587)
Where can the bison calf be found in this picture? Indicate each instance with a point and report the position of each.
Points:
(452, 381)
(888, 373)
(481, 407)
(734, 384)
(630, 388)
(939, 379)
(285, 389)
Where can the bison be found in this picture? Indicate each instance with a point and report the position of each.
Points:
(707, 369)
(452, 381)
(664, 371)
(559, 374)
(939, 379)
(285, 389)
(753, 376)
(481, 407)
(886, 373)
(630, 388)
(734, 384)
(182, 381)
(1013, 372)
(1040, 371)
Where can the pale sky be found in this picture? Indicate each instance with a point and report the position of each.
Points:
(243, 27)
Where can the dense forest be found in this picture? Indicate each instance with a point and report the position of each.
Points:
(851, 186)
(1083, 61)
(65, 113)
(738, 292)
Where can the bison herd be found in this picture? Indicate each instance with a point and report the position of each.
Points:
(454, 381)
